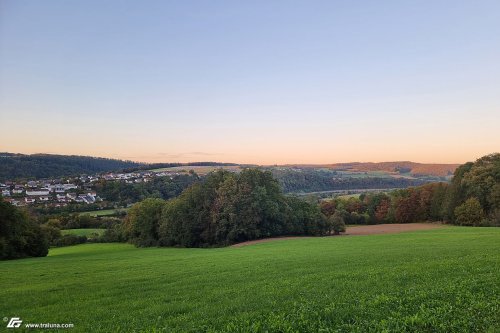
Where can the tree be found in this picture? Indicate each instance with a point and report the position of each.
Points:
(328, 207)
(382, 211)
(227, 208)
(20, 236)
(143, 221)
(469, 213)
(337, 223)
(480, 180)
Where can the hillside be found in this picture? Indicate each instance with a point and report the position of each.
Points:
(18, 166)
(413, 168)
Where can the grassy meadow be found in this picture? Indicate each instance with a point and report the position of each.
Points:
(105, 212)
(442, 280)
(83, 232)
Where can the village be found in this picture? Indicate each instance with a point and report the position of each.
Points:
(60, 192)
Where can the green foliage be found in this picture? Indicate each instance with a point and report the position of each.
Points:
(159, 187)
(89, 233)
(69, 239)
(442, 280)
(20, 236)
(317, 180)
(469, 213)
(337, 223)
(479, 180)
(228, 208)
(142, 222)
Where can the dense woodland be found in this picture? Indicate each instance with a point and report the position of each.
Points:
(159, 187)
(36, 166)
(20, 235)
(316, 180)
(225, 208)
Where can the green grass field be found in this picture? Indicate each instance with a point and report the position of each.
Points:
(104, 212)
(83, 232)
(347, 196)
(442, 280)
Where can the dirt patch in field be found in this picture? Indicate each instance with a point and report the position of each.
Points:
(390, 228)
(360, 230)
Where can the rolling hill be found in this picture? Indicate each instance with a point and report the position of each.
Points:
(17, 166)
(413, 168)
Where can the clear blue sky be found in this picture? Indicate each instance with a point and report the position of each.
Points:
(251, 81)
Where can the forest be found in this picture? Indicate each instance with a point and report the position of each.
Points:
(225, 208)
(317, 180)
(39, 166)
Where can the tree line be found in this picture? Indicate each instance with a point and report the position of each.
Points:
(472, 198)
(313, 180)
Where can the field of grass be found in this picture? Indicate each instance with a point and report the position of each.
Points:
(83, 232)
(104, 212)
(359, 174)
(442, 280)
(347, 196)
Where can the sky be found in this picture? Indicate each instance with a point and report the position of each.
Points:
(264, 82)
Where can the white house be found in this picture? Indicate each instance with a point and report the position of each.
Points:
(38, 192)
(32, 184)
(58, 188)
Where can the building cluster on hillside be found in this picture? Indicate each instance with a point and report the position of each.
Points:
(47, 192)
(59, 192)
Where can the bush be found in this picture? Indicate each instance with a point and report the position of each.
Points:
(67, 240)
(337, 223)
(142, 222)
(20, 236)
(469, 213)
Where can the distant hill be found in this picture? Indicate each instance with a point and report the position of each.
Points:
(20, 166)
(415, 169)
(37, 166)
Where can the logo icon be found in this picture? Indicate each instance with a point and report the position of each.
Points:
(14, 322)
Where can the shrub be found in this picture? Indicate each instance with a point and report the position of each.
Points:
(67, 240)
(469, 213)
(20, 236)
(337, 223)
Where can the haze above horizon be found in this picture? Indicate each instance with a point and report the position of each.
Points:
(251, 82)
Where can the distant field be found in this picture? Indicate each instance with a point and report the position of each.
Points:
(441, 280)
(104, 212)
(375, 174)
(347, 196)
(83, 232)
(201, 170)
